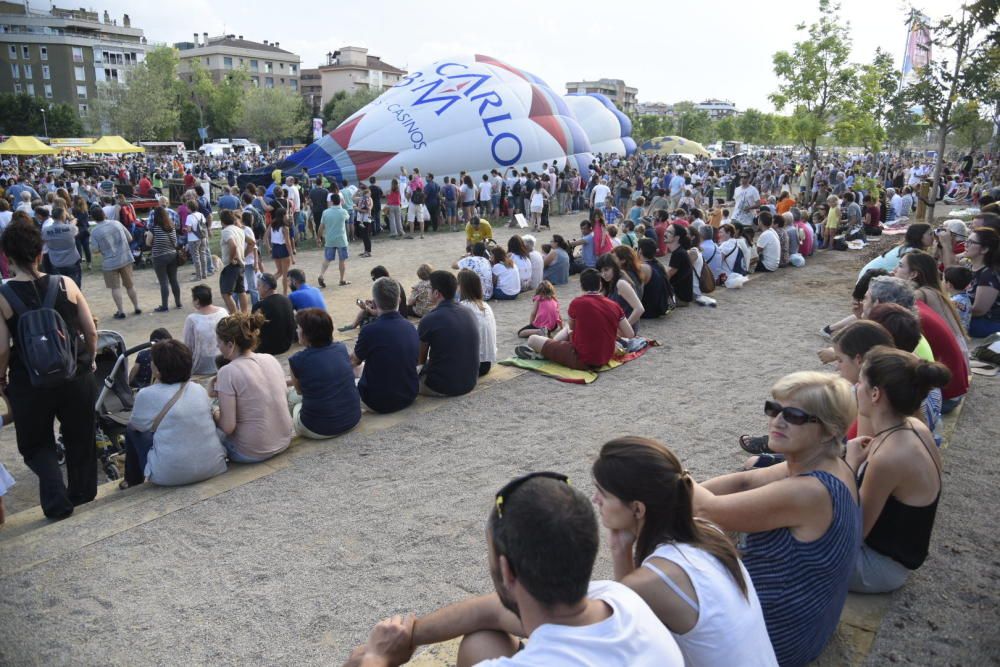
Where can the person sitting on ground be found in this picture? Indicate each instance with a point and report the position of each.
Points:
(983, 249)
(801, 516)
(542, 539)
(478, 230)
(956, 280)
(449, 342)
(386, 353)
(367, 312)
(768, 244)
(506, 280)
(303, 295)
(323, 399)
(918, 237)
(898, 468)
(141, 374)
(545, 317)
(887, 289)
(710, 251)
(633, 267)
(557, 261)
(537, 261)
(184, 447)
(253, 411)
(922, 271)
(518, 252)
(471, 297)
(686, 569)
(590, 339)
(199, 330)
(679, 269)
(588, 255)
(619, 287)
(657, 293)
(419, 303)
(477, 259)
(278, 331)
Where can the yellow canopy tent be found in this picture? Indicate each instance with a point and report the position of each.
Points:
(668, 145)
(111, 144)
(25, 146)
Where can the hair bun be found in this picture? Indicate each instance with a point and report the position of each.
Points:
(932, 374)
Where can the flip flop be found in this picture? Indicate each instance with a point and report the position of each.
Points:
(345, 282)
(979, 364)
(987, 372)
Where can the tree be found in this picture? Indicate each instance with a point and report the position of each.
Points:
(691, 123)
(343, 105)
(963, 67)
(272, 114)
(145, 107)
(226, 105)
(749, 126)
(972, 130)
(863, 118)
(649, 126)
(725, 129)
(815, 78)
(22, 115)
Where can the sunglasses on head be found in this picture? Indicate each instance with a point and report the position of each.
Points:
(791, 415)
(510, 487)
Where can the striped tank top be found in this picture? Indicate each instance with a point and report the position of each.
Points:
(802, 586)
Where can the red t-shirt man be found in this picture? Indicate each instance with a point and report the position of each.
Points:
(946, 351)
(594, 319)
(145, 185)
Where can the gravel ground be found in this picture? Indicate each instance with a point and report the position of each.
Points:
(294, 567)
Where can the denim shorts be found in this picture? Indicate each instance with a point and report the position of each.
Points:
(330, 254)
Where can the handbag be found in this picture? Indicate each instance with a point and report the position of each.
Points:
(142, 441)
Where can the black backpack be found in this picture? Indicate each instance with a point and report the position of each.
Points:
(45, 344)
(517, 188)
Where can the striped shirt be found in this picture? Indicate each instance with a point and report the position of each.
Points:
(802, 586)
(164, 243)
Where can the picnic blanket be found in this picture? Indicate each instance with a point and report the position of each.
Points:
(564, 374)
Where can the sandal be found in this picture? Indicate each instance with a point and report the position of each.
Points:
(755, 445)
(345, 282)
(123, 485)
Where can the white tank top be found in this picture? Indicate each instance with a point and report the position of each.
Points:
(278, 236)
(730, 628)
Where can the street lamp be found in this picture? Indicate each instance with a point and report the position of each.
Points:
(45, 123)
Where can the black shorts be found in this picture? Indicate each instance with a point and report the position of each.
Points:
(231, 280)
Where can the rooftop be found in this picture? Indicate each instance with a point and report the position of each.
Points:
(231, 42)
(372, 63)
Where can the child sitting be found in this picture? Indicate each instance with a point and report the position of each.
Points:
(635, 213)
(956, 279)
(141, 375)
(545, 317)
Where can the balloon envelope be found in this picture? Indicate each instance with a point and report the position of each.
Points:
(607, 128)
(471, 113)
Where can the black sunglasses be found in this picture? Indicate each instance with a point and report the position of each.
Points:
(790, 415)
(510, 487)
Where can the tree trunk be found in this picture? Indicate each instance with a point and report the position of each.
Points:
(938, 164)
(811, 170)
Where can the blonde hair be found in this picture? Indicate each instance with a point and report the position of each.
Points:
(545, 290)
(241, 329)
(829, 397)
(832, 199)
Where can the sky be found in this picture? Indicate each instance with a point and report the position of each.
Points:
(670, 51)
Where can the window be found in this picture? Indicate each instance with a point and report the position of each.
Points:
(25, 52)
(281, 65)
(12, 50)
(255, 81)
(268, 67)
(241, 61)
(44, 51)
(79, 73)
(110, 74)
(294, 84)
(17, 88)
(15, 71)
(254, 65)
(45, 72)
(31, 89)
(83, 108)
(27, 72)
(282, 80)
(293, 68)
(81, 92)
(269, 82)
(77, 54)
(227, 62)
(48, 91)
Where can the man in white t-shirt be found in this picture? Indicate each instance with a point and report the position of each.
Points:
(768, 244)
(486, 197)
(542, 541)
(598, 196)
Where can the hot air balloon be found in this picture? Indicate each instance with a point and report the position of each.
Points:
(472, 113)
(608, 129)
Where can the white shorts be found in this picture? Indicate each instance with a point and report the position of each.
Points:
(416, 213)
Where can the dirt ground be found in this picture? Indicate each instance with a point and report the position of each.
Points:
(296, 565)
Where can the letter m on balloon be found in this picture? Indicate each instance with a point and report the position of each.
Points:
(425, 98)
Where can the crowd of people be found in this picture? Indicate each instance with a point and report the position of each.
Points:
(839, 495)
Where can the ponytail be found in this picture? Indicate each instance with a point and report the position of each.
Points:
(905, 378)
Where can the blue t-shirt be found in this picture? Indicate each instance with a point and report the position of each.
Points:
(452, 332)
(390, 347)
(330, 401)
(307, 296)
(589, 258)
(229, 203)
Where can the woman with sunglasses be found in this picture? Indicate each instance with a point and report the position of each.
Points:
(801, 516)
(983, 249)
(686, 569)
(898, 468)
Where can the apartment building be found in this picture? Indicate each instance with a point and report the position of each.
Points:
(623, 97)
(268, 65)
(350, 68)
